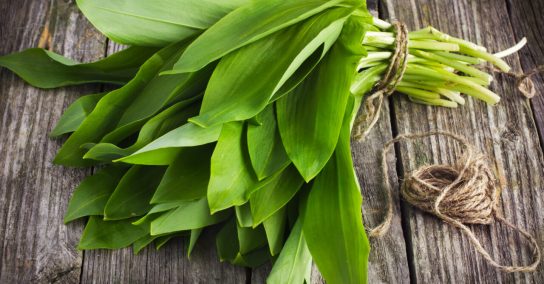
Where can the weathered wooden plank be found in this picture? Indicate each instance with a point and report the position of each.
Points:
(527, 21)
(167, 265)
(35, 245)
(507, 132)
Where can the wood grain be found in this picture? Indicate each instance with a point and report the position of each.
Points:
(35, 245)
(527, 21)
(506, 132)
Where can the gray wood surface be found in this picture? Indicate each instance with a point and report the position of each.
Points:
(506, 132)
(37, 247)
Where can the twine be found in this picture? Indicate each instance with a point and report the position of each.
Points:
(524, 81)
(393, 76)
(464, 193)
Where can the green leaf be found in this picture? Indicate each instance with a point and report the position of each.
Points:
(166, 148)
(110, 109)
(155, 127)
(142, 242)
(191, 215)
(274, 227)
(246, 25)
(91, 196)
(187, 177)
(133, 193)
(154, 23)
(159, 93)
(100, 234)
(232, 178)
(195, 234)
(251, 239)
(232, 240)
(45, 69)
(276, 194)
(243, 215)
(75, 114)
(309, 118)
(332, 221)
(265, 147)
(241, 86)
(294, 260)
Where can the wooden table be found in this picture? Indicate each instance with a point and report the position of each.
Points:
(36, 247)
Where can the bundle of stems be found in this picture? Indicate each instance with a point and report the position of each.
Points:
(440, 67)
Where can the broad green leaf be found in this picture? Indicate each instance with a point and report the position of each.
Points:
(195, 234)
(274, 227)
(251, 239)
(142, 242)
(192, 215)
(166, 148)
(187, 177)
(45, 69)
(294, 260)
(110, 109)
(231, 238)
(154, 23)
(241, 86)
(75, 114)
(246, 25)
(100, 234)
(133, 193)
(160, 93)
(157, 126)
(264, 145)
(158, 208)
(243, 215)
(232, 177)
(332, 221)
(91, 196)
(309, 118)
(272, 197)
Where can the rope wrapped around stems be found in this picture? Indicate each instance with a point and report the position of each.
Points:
(393, 76)
(464, 193)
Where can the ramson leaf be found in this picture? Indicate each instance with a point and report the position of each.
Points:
(165, 149)
(133, 193)
(45, 69)
(294, 260)
(241, 86)
(110, 109)
(100, 234)
(187, 177)
(155, 127)
(309, 117)
(264, 145)
(332, 221)
(232, 178)
(246, 25)
(91, 196)
(75, 114)
(191, 215)
(154, 23)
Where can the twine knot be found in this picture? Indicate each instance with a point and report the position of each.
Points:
(392, 77)
(460, 194)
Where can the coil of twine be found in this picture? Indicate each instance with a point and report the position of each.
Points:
(460, 194)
